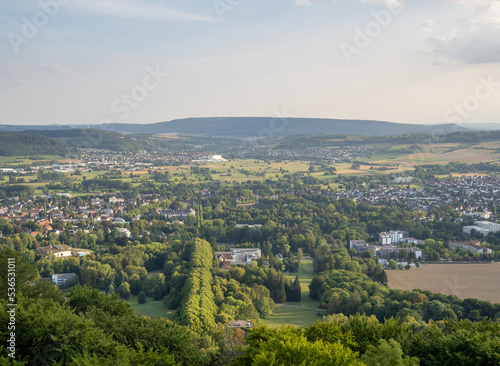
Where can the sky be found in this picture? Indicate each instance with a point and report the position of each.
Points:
(144, 61)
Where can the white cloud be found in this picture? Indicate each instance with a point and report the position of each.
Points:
(303, 2)
(472, 40)
(133, 9)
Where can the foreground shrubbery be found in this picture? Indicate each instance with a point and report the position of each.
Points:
(361, 340)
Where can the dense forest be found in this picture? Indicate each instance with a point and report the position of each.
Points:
(22, 144)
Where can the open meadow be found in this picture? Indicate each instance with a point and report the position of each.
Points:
(479, 281)
(150, 309)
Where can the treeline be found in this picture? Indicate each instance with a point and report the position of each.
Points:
(93, 184)
(198, 308)
(97, 139)
(21, 191)
(457, 167)
(362, 340)
(419, 139)
(350, 293)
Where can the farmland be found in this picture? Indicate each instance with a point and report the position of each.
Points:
(463, 280)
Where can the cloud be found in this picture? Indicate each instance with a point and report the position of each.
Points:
(471, 40)
(133, 9)
(388, 3)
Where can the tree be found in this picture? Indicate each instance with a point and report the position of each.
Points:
(141, 297)
(393, 264)
(293, 292)
(72, 281)
(277, 288)
(289, 346)
(125, 290)
(387, 353)
(300, 254)
(21, 272)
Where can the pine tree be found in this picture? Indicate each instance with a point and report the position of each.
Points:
(278, 293)
(296, 289)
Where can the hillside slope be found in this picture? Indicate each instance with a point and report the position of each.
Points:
(259, 127)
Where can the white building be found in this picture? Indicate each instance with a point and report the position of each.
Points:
(396, 236)
(124, 232)
(60, 279)
(468, 229)
(59, 251)
(384, 238)
(491, 226)
(179, 214)
(239, 255)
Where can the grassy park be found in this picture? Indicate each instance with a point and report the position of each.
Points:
(297, 313)
(150, 309)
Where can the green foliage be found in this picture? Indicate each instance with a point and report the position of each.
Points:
(387, 353)
(290, 346)
(293, 291)
(21, 144)
(198, 308)
(141, 297)
(95, 139)
(349, 293)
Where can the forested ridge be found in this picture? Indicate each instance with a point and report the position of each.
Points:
(23, 144)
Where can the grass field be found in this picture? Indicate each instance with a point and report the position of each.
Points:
(24, 160)
(297, 313)
(151, 308)
(463, 280)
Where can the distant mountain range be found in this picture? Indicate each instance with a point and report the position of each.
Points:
(257, 127)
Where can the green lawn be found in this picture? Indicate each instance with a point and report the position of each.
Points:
(297, 313)
(288, 315)
(151, 308)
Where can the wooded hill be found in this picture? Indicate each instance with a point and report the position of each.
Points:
(96, 139)
(21, 144)
(272, 126)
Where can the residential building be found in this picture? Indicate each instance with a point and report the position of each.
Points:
(396, 236)
(384, 238)
(471, 246)
(124, 232)
(60, 279)
(382, 251)
(238, 256)
(240, 324)
(491, 226)
(470, 228)
(59, 251)
(179, 214)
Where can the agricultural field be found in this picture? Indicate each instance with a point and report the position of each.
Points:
(463, 280)
(7, 161)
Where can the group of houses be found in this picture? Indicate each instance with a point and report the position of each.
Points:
(383, 253)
